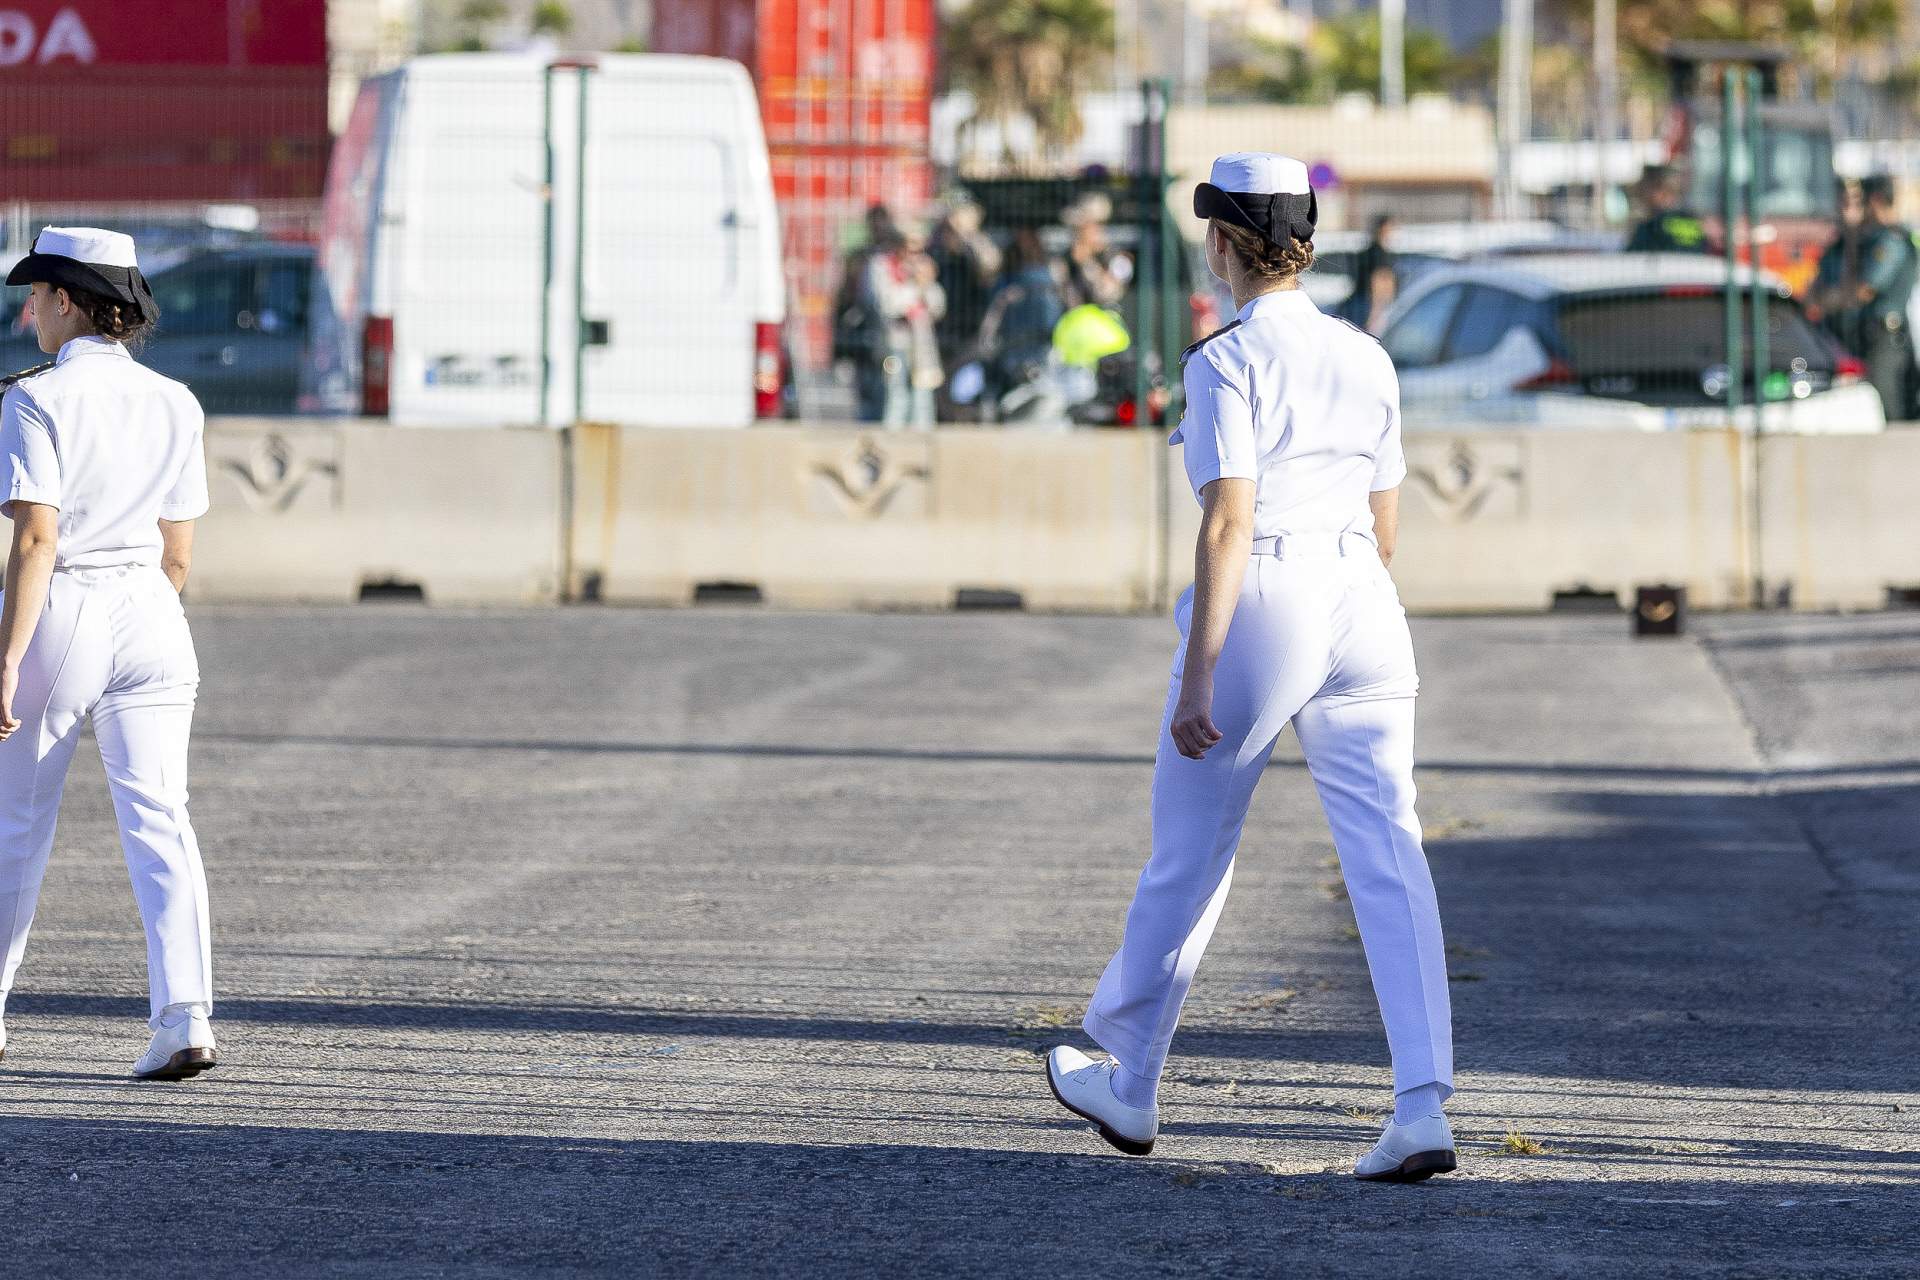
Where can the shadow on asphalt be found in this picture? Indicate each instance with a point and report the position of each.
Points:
(911, 755)
(82, 1193)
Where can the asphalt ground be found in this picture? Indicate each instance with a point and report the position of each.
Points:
(723, 942)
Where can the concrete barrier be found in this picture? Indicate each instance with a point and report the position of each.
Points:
(831, 518)
(1840, 518)
(318, 511)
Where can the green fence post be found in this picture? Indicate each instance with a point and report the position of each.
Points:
(1173, 305)
(1762, 356)
(1730, 223)
(1143, 251)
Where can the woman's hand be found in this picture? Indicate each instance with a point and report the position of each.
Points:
(1192, 727)
(9, 690)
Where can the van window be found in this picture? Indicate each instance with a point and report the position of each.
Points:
(1416, 338)
(288, 286)
(204, 299)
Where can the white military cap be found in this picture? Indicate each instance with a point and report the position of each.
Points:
(1262, 192)
(87, 258)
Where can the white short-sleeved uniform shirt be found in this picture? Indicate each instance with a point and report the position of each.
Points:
(1301, 403)
(114, 445)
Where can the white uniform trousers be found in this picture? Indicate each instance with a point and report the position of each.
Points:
(1318, 638)
(113, 643)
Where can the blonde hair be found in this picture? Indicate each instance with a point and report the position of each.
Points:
(1261, 258)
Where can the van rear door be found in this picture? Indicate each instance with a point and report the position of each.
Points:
(467, 215)
(673, 222)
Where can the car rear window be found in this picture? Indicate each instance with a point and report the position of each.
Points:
(1661, 347)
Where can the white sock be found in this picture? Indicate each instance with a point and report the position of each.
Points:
(1416, 1104)
(1134, 1090)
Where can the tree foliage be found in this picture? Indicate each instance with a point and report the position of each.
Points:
(1343, 56)
(1030, 59)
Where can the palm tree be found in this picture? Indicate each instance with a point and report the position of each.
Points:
(1030, 59)
(1822, 34)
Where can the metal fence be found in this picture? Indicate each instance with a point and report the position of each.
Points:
(1017, 300)
(557, 245)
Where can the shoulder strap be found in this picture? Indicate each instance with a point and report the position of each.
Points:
(1209, 338)
(12, 378)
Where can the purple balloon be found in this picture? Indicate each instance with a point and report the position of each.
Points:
(1321, 174)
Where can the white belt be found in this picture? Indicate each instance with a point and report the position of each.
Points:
(86, 571)
(1319, 545)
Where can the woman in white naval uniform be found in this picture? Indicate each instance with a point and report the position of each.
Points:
(104, 479)
(1292, 444)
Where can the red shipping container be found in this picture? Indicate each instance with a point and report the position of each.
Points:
(189, 100)
(846, 92)
(198, 33)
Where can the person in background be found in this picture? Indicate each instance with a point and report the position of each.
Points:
(903, 288)
(1374, 281)
(1891, 269)
(1668, 227)
(1833, 298)
(859, 331)
(1861, 290)
(1018, 329)
(967, 264)
(1096, 272)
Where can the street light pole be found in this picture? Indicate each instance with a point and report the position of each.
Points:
(1196, 60)
(1393, 53)
(1515, 107)
(1606, 117)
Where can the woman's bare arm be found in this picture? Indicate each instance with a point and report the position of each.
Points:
(176, 551)
(1219, 568)
(36, 527)
(1386, 521)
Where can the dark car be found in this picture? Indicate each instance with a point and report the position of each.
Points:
(233, 326)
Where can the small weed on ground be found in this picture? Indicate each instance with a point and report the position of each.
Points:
(1516, 1143)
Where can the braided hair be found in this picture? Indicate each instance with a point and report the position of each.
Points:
(111, 317)
(1265, 260)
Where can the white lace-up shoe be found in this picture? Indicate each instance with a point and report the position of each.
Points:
(1085, 1087)
(178, 1052)
(1409, 1152)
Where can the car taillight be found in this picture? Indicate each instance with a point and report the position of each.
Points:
(376, 367)
(1126, 413)
(1849, 368)
(768, 371)
(1558, 373)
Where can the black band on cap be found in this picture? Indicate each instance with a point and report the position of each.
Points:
(124, 284)
(1278, 216)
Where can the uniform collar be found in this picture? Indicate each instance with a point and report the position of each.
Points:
(88, 344)
(1280, 300)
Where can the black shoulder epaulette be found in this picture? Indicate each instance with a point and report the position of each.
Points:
(1209, 338)
(12, 378)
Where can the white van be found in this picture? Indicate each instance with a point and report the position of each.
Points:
(508, 240)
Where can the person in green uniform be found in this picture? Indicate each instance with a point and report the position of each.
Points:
(1834, 298)
(1891, 270)
(1669, 226)
(1865, 280)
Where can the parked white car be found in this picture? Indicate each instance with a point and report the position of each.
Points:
(1608, 341)
(507, 242)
